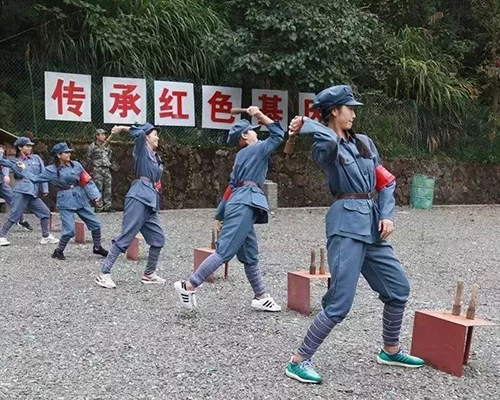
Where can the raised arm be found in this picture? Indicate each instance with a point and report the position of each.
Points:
(325, 139)
(5, 162)
(276, 132)
(110, 136)
(47, 175)
(139, 137)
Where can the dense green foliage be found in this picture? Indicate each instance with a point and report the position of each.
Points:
(438, 57)
(293, 43)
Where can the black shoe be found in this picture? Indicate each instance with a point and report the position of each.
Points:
(25, 225)
(58, 254)
(101, 251)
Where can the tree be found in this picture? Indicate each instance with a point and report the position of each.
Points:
(487, 15)
(160, 37)
(293, 43)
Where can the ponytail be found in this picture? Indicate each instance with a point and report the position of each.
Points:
(57, 163)
(364, 151)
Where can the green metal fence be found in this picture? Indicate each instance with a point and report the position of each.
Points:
(400, 128)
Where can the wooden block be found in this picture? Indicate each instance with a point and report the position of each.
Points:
(200, 254)
(322, 262)
(312, 266)
(457, 303)
(79, 232)
(299, 290)
(133, 250)
(471, 311)
(443, 340)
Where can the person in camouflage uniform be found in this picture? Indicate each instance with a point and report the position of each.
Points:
(99, 159)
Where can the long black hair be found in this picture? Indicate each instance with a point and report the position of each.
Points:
(326, 116)
(57, 163)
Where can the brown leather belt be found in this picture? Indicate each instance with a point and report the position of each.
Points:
(247, 183)
(157, 185)
(342, 196)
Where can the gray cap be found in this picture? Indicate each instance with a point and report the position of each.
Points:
(23, 141)
(340, 95)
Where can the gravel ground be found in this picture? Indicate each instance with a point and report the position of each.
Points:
(63, 337)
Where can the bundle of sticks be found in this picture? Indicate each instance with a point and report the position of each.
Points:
(322, 262)
(457, 304)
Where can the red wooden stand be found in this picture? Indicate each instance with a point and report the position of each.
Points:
(443, 340)
(299, 290)
(200, 254)
(133, 250)
(79, 232)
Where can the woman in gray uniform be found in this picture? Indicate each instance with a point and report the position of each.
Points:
(242, 206)
(357, 227)
(75, 188)
(142, 204)
(26, 194)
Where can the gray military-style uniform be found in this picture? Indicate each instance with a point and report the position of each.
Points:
(352, 226)
(246, 206)
(142, 203)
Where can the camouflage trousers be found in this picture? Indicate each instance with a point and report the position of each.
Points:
(102, 178)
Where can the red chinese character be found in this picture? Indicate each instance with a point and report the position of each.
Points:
(309, 111)
(270, 107)
(125, 100)
(167, 109)
(220, 104)
(74, 95)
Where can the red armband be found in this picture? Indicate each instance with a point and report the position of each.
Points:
(383, 178)
(85, 178)
(227, 193)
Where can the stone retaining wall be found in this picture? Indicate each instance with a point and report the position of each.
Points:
(196, 177)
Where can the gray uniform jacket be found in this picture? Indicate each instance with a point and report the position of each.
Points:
(251, 164)
(148, 171)
(35, 165)
(354, 218)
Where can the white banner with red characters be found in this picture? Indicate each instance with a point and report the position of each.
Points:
(273, 103)
(174, 104)
(67, 97)
(124, 100)
(217, 104)
(306, 101)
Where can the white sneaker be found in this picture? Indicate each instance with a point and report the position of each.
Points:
(105, 281)
(49, 240)
(4, 241)
(266, 304)
(186, 297)
(152, 278)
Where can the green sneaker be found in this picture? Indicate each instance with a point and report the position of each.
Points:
(303, 371)
(401, 359)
